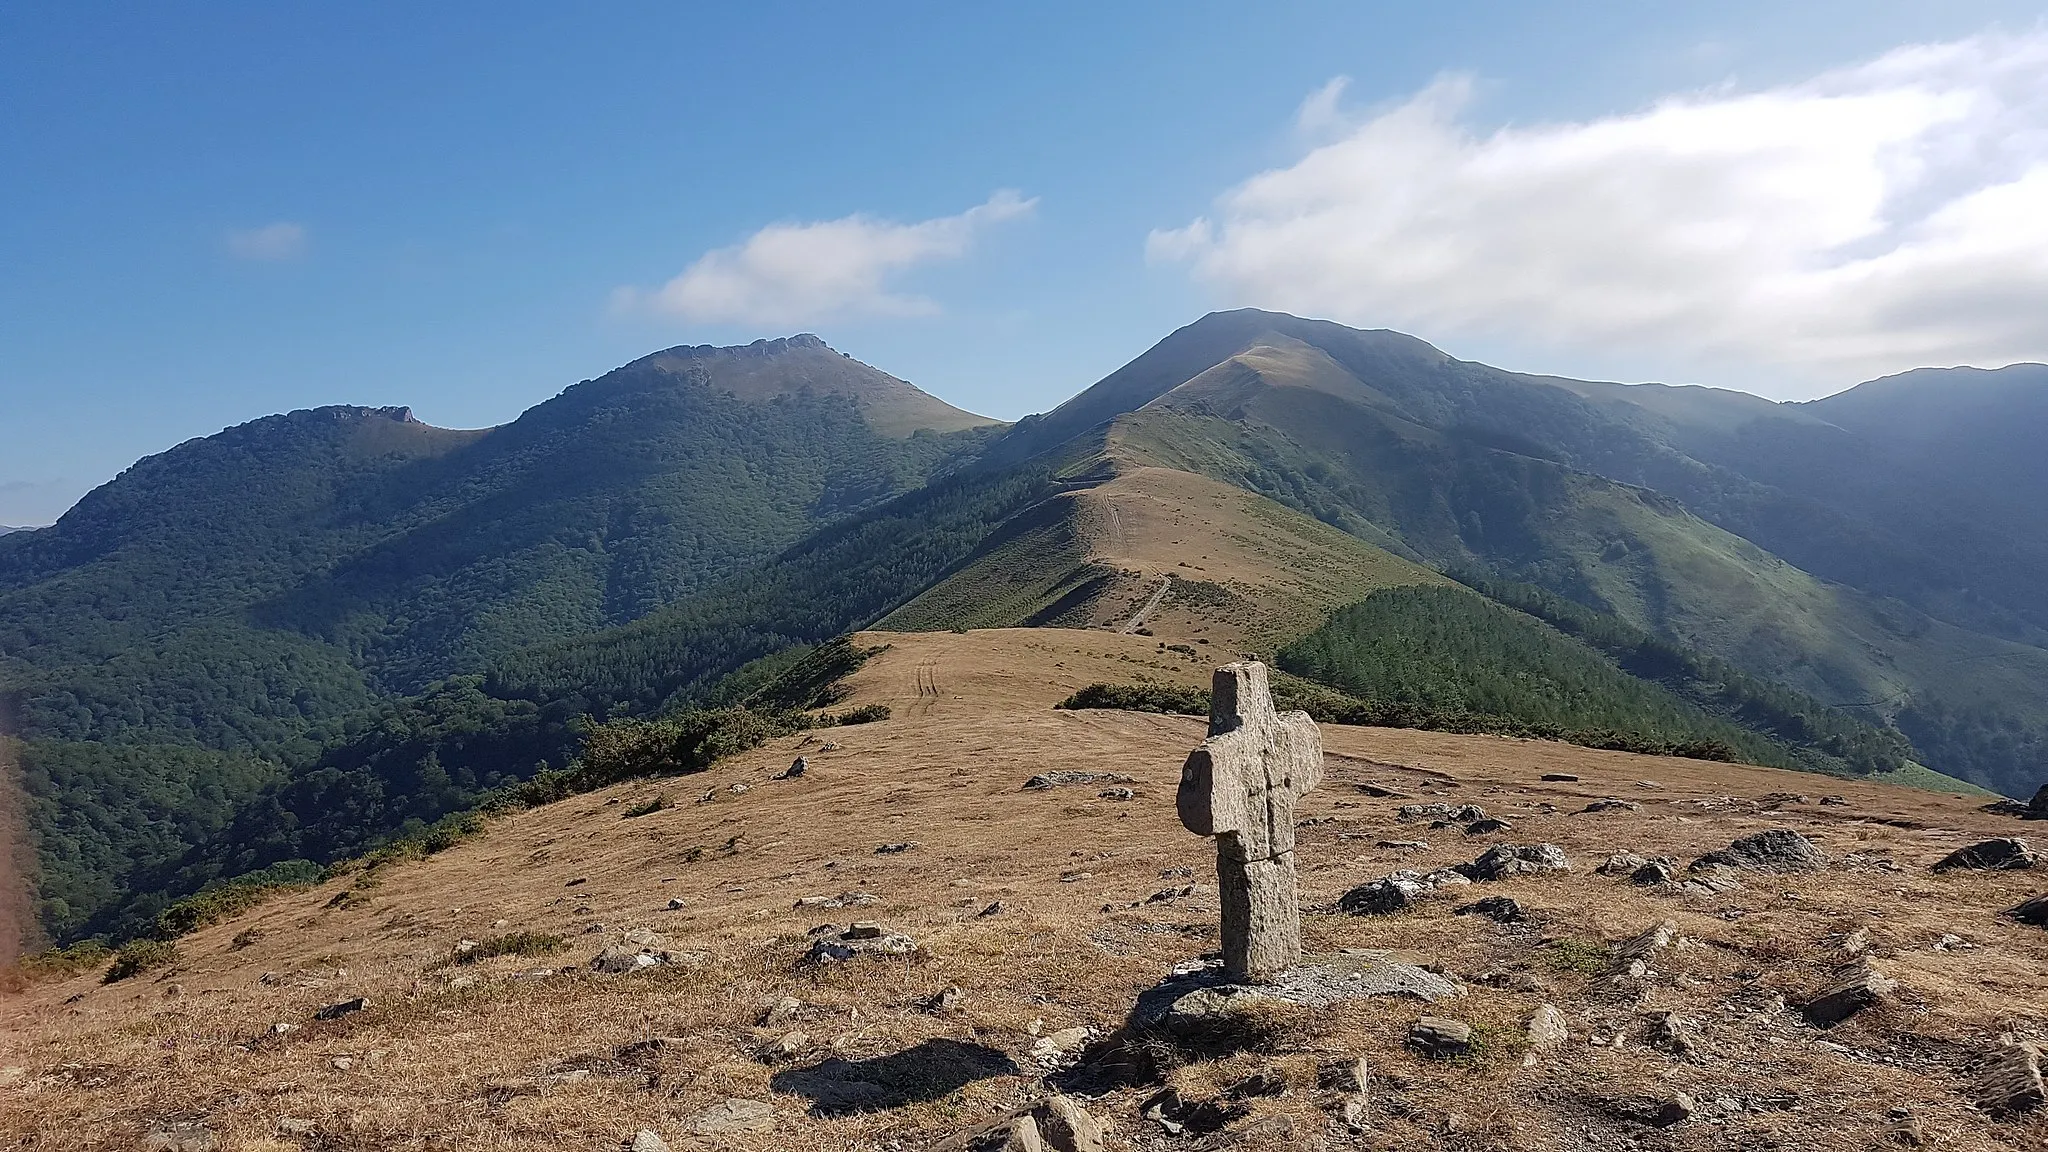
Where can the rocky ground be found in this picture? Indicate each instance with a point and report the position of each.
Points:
(907, 947)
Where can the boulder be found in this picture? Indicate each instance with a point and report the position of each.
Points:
(2006, 852)
(1772, 850)
(1504, 860)
(1652, 872)
(1382, 897)
(1547, 1031)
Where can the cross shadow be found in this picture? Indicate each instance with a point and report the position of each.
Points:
(927, 1071)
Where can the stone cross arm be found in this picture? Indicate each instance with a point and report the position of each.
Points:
(1241, 784)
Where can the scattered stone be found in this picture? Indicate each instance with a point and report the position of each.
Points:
(1559, 778)
(639, 949)
(342, 1063)
(1677, 1110)
(1455, 813)
(179, 1136)
(1854, 987)
(1654, 872)
(1673, 1033)
(1772, 850)
(1440, 1038)
(781, 1012)
(1621, 864)
(2034, 911)
(894, 849)
(1612, 805)
(1068, 1127)
(1709, 880)
(1405, 845)
(783, 1048)
(995, 908)
(1169, 895)
(2010, 1080)
(1380, 792)
(796, 769)
(835, 943)
(1501, 908)
(734, 1115)
(2007, 852)
(1382, 897)
(577, 881)
(1835, 801)
(290, 1126)
(843, 900)
(1116, 794)
(675, 904)
(1504, 860)
(737, 789)
(1547, 1031)
(1854, 943)
(1488, 827)
(647, 1140)
(1060, 1048)
(344, 1008)
(1075, 877)
(947, 999)
(1240, 787)
(1064, 778)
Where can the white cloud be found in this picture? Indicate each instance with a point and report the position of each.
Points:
(280, 241)
(801, 272)
(1874, 218)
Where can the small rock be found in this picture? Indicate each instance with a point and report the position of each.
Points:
(1068, 1127)
(1547, 1030)
(2034, 911)
(863, 930)
(1501, 908)
(1560, 778)
(1456, 813)
(1621, 864)
(675, 903)
(1405, 845)
(1835, 801)
(783, 1048)
(2006, 852)
(797, 768)
(1653, 872)
(1488, 827)
(647, 1140)
(1612, 805)
(1504, 860)
(734, 1115)
(1676, 1110)
(1116, 794)
(1440, 1038)
(1855, 986)
(179, 1136)
(837, 944)
(894, 849)
(995, 908)
(1060, 1047)
(2010, 1080)
(782, 1010)
(945, 1000)
(293, 1127)
(1673, 1033)
(577, 881)
(344, 1008)
(1381, 897)
(342, 1063)
(1062, 778)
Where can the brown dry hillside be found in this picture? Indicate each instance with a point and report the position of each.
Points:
(1182, 556)
(1049, 910)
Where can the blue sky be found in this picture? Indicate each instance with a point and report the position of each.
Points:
(213, 212)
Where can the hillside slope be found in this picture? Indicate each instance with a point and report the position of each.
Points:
(1050, 910)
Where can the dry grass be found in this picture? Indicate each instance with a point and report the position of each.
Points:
(514, 1059)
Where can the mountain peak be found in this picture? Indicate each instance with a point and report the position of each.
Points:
(790, 365)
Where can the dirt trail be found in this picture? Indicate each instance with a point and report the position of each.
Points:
(1158, 596)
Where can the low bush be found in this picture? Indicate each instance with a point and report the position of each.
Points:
(139, 956)
(513, 944)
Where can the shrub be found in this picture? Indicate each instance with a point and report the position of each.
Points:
(865, 714)
(139, 956)
(1168, 698)
(513, 944)
(648, 808)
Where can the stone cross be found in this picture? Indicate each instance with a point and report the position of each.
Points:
(1240, 787)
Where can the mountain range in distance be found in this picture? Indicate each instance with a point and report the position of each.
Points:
(288, 642)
